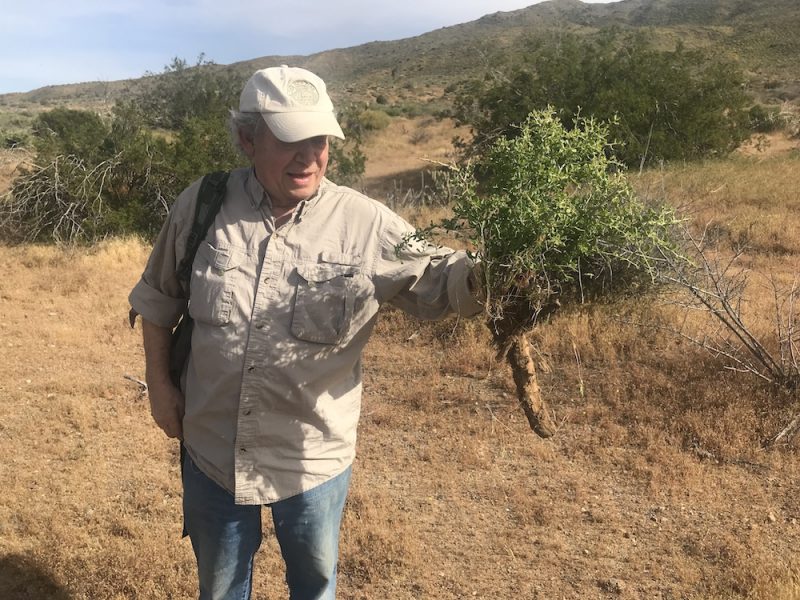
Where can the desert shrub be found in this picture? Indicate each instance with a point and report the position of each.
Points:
(413, 109)
(347, 161)
(419, 136)
(58, 201)
(124, 185)
(663, 105)
(763, 120)
(374, 120)
(64, 131)
(555, 222)
(182, 92)
(14, 139)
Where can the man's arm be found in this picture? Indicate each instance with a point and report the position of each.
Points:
(425, 280)
(166, 400)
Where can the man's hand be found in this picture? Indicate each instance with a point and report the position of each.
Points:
(167, 407)
(167, 404)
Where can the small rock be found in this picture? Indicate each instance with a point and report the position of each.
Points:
(611, 586)
(771, 517)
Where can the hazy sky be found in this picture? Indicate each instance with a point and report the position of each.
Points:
(45, 42)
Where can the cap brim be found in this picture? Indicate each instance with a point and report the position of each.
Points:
(296, 126)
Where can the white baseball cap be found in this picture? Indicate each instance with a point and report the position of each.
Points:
(294, 103)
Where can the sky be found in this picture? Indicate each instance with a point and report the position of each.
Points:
(50, 42)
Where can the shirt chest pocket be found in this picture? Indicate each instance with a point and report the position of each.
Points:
(324, 301)
(212, 287)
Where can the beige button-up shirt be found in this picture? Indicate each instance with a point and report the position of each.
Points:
(281, 315)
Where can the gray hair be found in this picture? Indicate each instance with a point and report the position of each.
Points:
(250, 124)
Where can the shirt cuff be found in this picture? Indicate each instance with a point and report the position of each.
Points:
(463, 291)
(156, 307)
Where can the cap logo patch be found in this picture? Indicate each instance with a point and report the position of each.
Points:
(303, 92)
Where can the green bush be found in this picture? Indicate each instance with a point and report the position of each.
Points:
(374, 120)
(764, 120)
(14, 139)
(183, 92)
(347, 162)
(554, 221)
(69, 132)
(663, 105)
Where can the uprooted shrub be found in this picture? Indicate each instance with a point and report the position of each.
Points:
(554, 223)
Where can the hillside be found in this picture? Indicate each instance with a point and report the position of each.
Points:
(760, 35)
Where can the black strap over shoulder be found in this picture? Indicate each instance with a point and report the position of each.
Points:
(209, 201)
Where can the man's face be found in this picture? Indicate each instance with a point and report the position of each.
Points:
(289, 172)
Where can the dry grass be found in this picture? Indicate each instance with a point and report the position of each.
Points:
(10, 160)
(399, 155)
(655, 486)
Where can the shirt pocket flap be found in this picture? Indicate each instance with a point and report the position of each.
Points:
(331, 265)
(337, 258)
(322, 272)
(221, 259)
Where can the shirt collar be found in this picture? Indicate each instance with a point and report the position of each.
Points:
(259, 196)
(255, 191)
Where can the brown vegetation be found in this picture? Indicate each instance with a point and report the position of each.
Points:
(656, 484)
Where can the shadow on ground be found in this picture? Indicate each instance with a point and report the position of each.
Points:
(22, 579)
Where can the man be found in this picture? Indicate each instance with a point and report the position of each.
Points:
(285, 291)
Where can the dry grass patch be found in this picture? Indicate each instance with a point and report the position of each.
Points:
(742, 202)
(10, 161)
(400, 155)
(655, 486)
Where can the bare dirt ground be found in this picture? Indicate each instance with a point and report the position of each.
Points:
(399, 154)
(657, 484)
(769, 145)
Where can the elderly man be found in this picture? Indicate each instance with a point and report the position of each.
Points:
(285, 290)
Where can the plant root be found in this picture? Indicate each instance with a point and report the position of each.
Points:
(528, 392)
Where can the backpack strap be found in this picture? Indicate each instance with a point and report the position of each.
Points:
(209, 201)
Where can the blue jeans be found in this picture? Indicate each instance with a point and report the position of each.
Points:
(225, 537)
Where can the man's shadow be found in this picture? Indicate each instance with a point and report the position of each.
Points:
(22, 579)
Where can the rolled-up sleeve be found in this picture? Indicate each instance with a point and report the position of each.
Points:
(159, 296)
(422, 279)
